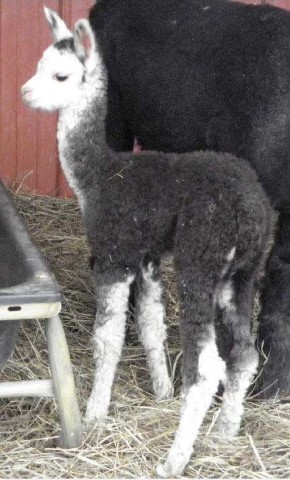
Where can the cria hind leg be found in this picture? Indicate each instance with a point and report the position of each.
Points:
(112, 294)
(236, 298)
(202, 371)
(224, 337)
(150, 315)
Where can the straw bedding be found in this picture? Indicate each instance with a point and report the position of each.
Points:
(139, 430)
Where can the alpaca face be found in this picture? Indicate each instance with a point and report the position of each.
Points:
(56, 83)
(63, 67)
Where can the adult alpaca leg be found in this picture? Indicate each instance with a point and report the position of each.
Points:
(108, 339)
(150, 315)
(237, 300)
(202, 370)
(274, 318)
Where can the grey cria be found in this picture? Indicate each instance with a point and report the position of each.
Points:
(206, 209)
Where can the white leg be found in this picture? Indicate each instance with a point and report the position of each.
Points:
(108, 339)
(243, 358)
(150, 315)
(195, 404)
(235, 389)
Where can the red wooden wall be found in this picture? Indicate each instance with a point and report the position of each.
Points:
(275, 3)
(28, 153)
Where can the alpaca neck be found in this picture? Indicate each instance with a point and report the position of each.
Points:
(81, 136)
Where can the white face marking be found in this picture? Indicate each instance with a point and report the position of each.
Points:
(44, 91)
(150, 315)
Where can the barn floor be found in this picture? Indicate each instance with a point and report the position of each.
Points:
(139, 430)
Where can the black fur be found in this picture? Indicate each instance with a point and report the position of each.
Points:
(139, 210)
(66, 44)
(210, 74)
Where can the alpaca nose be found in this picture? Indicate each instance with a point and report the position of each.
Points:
(25, 90)
(27, 94)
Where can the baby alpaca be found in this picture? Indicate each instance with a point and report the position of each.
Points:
(207, 209)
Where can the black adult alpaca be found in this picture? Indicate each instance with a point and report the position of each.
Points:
(210, 74)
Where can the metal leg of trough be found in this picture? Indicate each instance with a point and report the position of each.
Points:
(63, 383)
(8, 333)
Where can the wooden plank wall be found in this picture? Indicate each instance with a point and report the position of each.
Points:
(28, 154)
(276, 3)
(279, 3)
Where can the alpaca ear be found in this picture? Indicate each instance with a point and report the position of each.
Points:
(85, 44)
(58, 28)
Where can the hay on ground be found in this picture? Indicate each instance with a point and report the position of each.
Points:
(139, 430)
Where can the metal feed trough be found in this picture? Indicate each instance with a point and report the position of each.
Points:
(28, 290)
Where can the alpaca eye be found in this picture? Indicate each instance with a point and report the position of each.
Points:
(60, 78)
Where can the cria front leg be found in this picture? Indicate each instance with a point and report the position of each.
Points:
(108, 340)
(150, 315)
